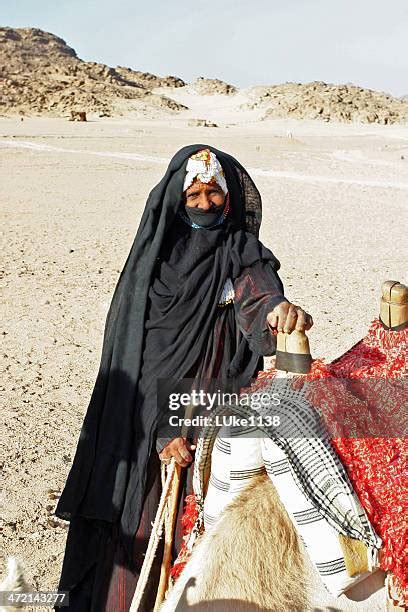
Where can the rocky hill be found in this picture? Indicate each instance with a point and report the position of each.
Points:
(206, 87)
(147, 79)
(318, 100)
(41, 74)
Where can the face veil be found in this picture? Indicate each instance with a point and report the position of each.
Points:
(161, 313)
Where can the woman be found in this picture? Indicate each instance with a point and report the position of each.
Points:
(196, 298)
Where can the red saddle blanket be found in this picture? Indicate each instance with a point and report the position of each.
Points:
(363, 400)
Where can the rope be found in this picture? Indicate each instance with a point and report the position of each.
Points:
(154, 539)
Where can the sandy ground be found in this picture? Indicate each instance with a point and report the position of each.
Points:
(72, 195)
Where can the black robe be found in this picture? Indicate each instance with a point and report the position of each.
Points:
(162, 316)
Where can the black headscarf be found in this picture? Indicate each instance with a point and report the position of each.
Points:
(161, 313)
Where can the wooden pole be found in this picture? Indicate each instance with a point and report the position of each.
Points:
(169, 526)
(172, 506)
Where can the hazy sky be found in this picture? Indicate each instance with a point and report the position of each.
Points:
(244, 42)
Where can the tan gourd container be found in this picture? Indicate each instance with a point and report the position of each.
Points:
(394, 305)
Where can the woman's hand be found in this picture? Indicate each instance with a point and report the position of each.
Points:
(286, 317)
(179, 449)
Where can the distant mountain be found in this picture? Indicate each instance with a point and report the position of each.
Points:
(319, 100)
(41, 74)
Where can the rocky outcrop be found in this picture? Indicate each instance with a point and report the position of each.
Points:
(210, 87)
(318, 100)
(40, 74)
(147, 79)
(201, 123)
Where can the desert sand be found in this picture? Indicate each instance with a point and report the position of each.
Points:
(334, 213)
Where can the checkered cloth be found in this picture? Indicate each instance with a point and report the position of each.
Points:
(307, 473)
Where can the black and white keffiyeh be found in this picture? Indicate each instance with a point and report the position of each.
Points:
(314, 465)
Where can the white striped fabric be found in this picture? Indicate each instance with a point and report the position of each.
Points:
(235, 462)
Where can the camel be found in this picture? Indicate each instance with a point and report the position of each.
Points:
(254, 560)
